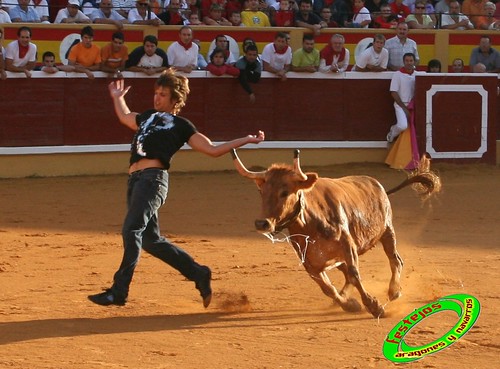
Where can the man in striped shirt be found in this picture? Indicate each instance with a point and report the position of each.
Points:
(400, 45)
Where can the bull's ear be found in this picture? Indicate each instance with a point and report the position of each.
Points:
(309, 182)
(259, 182)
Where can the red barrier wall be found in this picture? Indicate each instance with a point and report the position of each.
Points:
(457, 116)
(78, 111)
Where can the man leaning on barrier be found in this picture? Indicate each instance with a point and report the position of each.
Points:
(20, 55)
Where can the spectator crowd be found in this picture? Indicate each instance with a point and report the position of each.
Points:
(276, 57)
(312, 14)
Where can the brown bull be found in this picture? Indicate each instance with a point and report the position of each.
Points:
(332, 221)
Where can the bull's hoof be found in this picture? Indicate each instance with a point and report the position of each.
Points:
(351, 305)
(377, 311)
(373, 306)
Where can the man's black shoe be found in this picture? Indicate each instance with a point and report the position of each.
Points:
(106, 298)
(203, 285)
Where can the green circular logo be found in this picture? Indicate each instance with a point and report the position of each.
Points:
(467, 308)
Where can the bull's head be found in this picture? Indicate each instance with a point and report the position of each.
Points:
(281, 188)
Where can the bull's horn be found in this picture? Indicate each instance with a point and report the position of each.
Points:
(244, 171)
(296, 164)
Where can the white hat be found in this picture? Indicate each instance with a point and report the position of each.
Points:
(74, 2)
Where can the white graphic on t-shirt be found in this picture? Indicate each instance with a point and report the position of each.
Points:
(256, 20)
(156, 122)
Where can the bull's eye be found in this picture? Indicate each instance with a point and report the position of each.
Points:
(284, 193)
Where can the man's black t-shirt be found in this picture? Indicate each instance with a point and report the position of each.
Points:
(159, 136)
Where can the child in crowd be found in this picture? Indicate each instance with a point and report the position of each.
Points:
(250, 69)
(434, 66)
(218, 66)
(246, 42)
(194, 19)
(400, 9)
(386, 19)
(326, 16)
(362, 17)
(49, 64)
(235, 19)
(285, 15)
(232, 6)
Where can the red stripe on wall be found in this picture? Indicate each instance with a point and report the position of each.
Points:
(423, 38)
(464, 39)
(131, 36)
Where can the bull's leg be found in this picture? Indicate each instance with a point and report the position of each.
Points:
(388, 240)
(347, 285)
(321, 278)
(351, 258)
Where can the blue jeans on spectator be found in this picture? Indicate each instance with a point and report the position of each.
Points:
(146, 193)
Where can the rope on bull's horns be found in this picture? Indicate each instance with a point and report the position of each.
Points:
(288, 238)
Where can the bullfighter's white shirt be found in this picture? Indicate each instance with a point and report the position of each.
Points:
(404, 85)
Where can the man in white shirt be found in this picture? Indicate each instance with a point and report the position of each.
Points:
(107, 15)
(334, 57)
(4, 16)
(143, 14)
(123, 6)
(20, 55)
(183, 54)
(277, 56)
(373, 58)
(42, 8)
(400, 45)
(454, 19)
(402, 91)
(72, 14)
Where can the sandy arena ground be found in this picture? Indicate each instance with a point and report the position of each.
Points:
(60, 241)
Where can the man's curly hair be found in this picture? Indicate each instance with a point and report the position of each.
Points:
(178, 85)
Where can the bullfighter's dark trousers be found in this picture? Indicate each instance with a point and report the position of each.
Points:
(146, 193)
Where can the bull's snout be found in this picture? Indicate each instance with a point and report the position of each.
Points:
(264, 225)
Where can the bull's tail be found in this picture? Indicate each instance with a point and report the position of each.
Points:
(424, 181)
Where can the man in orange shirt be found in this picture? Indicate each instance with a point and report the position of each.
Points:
(85, 56)
(474, 9)
(114, 55)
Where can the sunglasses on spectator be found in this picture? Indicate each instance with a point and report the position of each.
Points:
(420, 7)
(142, 4)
